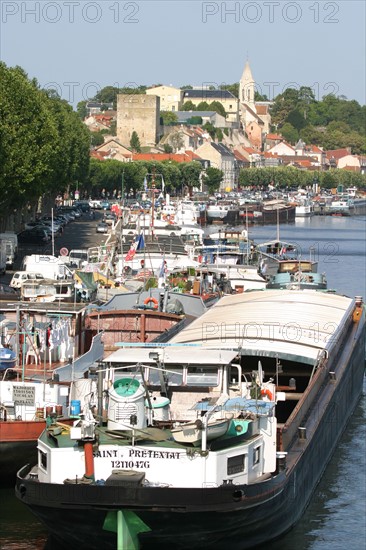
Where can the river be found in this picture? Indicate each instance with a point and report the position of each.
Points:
(335, 518)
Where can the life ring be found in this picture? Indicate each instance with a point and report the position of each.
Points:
(268, 394)
(153, 300)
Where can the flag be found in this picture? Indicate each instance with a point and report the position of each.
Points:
(145, 184)
(162, 184)
(130, 254)
(140, 242)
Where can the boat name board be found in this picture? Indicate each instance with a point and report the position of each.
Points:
(24, 395)
(134, 453)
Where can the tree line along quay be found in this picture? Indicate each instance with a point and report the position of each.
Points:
(46, 150)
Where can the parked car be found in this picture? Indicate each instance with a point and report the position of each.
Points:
(105, 205)
(37, 235)
(84, 206)
(8, 293)
(102, 227)
(110, 218)
(95, 203)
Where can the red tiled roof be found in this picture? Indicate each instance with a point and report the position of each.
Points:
(103, 117)
(239, 156)
(98, 155)
(192, 155)
(159, 157)
(314, 149)
(298, 158)
(337, 153)
(274, 137)
(262, 109)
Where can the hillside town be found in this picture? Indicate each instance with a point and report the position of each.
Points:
(244, 138)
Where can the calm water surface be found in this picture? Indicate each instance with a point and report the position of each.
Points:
(336, 516)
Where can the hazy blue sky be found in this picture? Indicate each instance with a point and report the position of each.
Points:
(81, 46)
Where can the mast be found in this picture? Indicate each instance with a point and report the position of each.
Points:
(278, 225)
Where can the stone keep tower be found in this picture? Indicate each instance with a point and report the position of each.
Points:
(139, 113)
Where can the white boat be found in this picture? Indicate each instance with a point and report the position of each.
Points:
(304, 208)
(191, 432)
(48, 290)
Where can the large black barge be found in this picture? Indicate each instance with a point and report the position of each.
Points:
(286, 378)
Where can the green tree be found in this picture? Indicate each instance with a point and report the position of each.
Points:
(210, 128)
(27, 138)
(168, 117)
(96, 138)
(167, 148)
(81, 109)
(203, 106)
(44, 146)
(218, 108)
(113, 128)
(260, 97)
(108, 94)
(188, 106)
(190, 173)
(289, 133)
(195, 120)
(311, 134)
(176, 140)
(213, 178)
(135, 142)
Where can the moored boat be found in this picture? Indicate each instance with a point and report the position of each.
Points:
(297, 274)
(285, 367)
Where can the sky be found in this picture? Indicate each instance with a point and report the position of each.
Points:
(78, 47)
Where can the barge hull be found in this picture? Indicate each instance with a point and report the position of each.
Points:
(239, 516)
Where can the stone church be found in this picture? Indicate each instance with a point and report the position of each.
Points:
(254, 116)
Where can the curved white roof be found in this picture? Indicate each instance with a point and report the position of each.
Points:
(293, 324)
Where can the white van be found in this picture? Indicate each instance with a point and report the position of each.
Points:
(50, 266)
(20, 277)
(78, 258)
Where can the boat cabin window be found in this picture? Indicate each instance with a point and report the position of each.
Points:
(234, 374)
(43, 460)
(62, 289)
(198, 376)
(256, 455)
(173, 376)
(236, 464)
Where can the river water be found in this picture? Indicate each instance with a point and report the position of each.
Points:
(335, 518)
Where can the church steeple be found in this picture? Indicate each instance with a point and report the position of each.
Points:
(247, 86)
